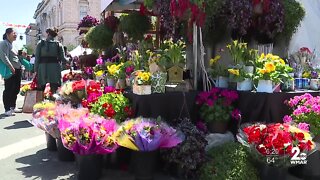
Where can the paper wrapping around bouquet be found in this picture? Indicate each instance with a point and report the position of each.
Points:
(158, 82)
(31, 98)
(141, 89)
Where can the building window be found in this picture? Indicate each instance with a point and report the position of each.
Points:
(83, 11)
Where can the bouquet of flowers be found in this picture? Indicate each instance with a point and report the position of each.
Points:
(272, 67)
(85, 133)
(306, 112)
(74, 91)
(301, 60)
(72, 76)
(216, 105)
(112, 105)
(94, 91)
(24, 88)
(275, 144)
(44, 117)
(147, 135)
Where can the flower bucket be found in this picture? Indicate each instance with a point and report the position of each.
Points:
(288, 86)
(141, 89)
(314, 84)
(217, 127)
(268, 172)
(249, 69)
(121, 84)
(305, 83)
(144, 164)
(51, 142)
(89, 166)
(158, 82)
(245, 85)
(265, 86)
(221, 82)
(111, 82)
(64, 154)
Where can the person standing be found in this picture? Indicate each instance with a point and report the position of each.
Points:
(10, 58)
(49, 59)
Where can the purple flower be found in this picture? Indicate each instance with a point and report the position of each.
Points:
(129, 70)
(100, 61)
(201, 126)
(287, 119)
(109, 89)
(236, 114)
(314, 74)
(304, 126)
(89, 70)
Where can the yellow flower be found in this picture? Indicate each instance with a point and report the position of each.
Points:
(113, 69)
(262, 56)
(269, 56)
(99, 73)
(306, 74)
(270, 67)
(282, 62)
(234, 71)
(214, 60)
(262, 71)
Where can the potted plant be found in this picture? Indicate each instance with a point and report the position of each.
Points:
(271, 70)
(229, 161)
(242, 77)
(273, 145)
(112, 105)
(293, 15)
(99, 37)
(218, 72)
(173, 58)
(86, 23)
(186, 159)
(113, 73)
(216, 108)
(142, 83)
(268, 22)
(135, 25)
(304, 111)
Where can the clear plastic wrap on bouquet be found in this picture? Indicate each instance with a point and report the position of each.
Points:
(273, 144)
(104, 139)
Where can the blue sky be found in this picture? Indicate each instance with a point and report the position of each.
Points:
(17, 12)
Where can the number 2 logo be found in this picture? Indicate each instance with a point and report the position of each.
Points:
(296, 152)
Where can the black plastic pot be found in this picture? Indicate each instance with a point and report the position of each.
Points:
(64, 154)
(51, 143)
(89, 166)
(144, 164)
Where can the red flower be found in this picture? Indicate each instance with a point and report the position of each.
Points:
(78, 85)
(109, 112)
(84, 103)
(129, 111)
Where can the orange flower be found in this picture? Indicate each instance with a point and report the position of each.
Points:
(270, 67)
(262, 71)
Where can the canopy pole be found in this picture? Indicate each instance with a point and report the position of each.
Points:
(195, 56)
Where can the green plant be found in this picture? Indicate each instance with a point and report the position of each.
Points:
(215, 28)
(216, 105)
(294, 14)
(272, 67)
(135, 25)
(189, 156)
(112, 105)
(99, 37)
(217, 69)
(239, 52)
(239, 74)
(229, 161)
(173, 53)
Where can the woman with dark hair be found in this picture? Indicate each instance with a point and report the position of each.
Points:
(10, 58)
(48, 60)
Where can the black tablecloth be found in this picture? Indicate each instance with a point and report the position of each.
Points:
(169, 106)
(265, 107)
(262, 107)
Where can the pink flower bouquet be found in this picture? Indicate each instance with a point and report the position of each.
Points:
(44, 117)
(74, 91)
(147, 135)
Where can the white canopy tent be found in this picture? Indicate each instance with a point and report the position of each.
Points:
(79, 51)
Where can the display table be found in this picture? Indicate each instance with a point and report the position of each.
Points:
(254, 107)
(266, 107)
(169, 106)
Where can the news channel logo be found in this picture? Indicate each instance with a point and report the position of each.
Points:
(297, 158)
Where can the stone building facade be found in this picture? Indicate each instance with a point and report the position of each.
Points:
(65, 15)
